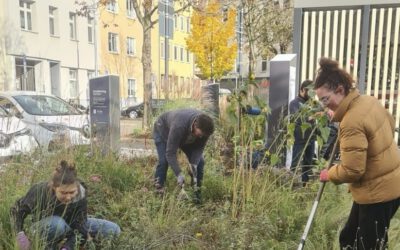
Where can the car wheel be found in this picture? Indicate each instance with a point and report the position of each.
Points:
(133, 114)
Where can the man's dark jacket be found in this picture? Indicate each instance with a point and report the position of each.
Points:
(294, 107)
(175, 128)
(41, 202)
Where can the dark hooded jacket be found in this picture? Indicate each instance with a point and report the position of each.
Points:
(299, 137)
(175, 128)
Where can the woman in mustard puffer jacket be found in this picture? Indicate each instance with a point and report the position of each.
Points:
(370, 160)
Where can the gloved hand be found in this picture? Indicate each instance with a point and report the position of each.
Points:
(323, 176)
(23, 241)
(181, 180)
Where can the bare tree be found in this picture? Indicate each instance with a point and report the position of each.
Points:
(266, 27)
(277, 28)
(145, 13)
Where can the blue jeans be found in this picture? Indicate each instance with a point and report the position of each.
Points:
(54, 229)
(307, 159)
(162, 167)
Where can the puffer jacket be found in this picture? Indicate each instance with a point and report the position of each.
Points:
(370, 160)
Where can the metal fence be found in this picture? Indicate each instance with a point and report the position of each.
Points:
(364, 39)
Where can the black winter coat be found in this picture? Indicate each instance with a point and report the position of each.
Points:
(41, 202)
(299, 138)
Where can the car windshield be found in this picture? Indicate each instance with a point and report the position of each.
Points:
(45, 105)
(3, 112)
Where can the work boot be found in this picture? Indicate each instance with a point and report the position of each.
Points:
(197, 197)
(160, 190)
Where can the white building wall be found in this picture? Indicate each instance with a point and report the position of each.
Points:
(38, 45)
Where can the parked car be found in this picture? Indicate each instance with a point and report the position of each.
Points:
(53, 121)
(137, 110)
(134, 111)
(80, 107)
(15, 137)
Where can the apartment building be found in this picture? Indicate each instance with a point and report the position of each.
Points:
(48, 48)
(362, 35)
(121, 39)
(176, 63)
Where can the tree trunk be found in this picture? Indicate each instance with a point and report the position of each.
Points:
(146, 61)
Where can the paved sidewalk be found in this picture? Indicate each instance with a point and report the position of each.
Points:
(132, 147)
(137, 147)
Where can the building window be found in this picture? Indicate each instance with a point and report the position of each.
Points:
(263, 65)
(187, 56)
(162, 50)
(181, 54)
(131, 87)
(112, 42)
(72, 26)
(91, 74)
(162, 81)
(52, 20)
(188, 24)
(112, 6)
(176, 22)
(182, 22)
(25, 14)
(175, 53)
(130, 46)
(90, 21)
(130, 11)
(73, 83)
(188, 85)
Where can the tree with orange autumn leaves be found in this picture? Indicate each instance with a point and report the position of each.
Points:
(212, 40)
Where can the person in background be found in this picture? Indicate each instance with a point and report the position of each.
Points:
(327, 148)
(370, 160)
(185, 129)
(304, 143)
(59, 213)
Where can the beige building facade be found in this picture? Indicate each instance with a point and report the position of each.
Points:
(46, 47)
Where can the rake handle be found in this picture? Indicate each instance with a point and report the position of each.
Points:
(317, 198)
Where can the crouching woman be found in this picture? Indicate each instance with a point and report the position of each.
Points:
(59, 213)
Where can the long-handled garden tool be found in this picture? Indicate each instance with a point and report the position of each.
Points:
(182, 194)
(318, 198)
(193, 173)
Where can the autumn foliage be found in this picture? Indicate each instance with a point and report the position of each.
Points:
(212, 40)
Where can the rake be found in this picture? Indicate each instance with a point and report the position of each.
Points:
(317, 198)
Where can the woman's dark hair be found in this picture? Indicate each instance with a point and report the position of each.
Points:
(205, 124)
(331, 76)
(64, 174)
(305, 84)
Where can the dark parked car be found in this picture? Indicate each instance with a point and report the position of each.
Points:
(137, 110)
(133, 111)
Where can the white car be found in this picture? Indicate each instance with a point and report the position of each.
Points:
(53, 122)
(15, 137)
